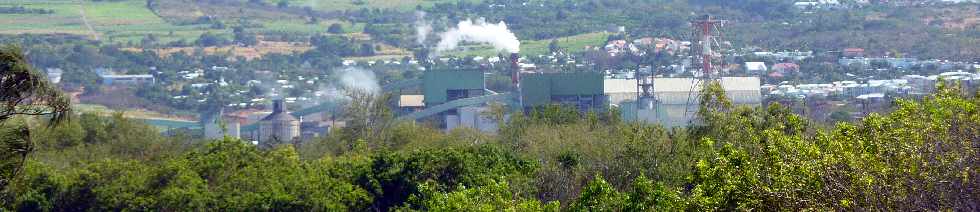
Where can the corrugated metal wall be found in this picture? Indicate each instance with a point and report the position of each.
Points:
(538, 88)
(436, 83)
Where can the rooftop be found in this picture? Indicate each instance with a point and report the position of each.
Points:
(411, 101)
(690, 84)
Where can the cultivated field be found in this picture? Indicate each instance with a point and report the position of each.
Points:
(118, 21)
(250, 52)
(334, 5)
(575, 43)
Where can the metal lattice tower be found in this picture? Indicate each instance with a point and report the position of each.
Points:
(706, 47)
(707, 61)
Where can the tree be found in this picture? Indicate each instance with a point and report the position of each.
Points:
(282, 4)
(598, 196)
(367, 49)
(840, 116)
(649, 196)
(496, 196)
(23, 91)
(369, 117)
(243, 37)
(211, 39)
(335, 28)
(553, 46)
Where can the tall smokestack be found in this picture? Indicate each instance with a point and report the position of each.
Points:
(515, 69)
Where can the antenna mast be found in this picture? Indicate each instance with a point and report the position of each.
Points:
(706, 58)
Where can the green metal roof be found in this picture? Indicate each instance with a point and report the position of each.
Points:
(537, 88)
(436, 83)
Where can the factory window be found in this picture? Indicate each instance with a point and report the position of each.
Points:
(456, 94)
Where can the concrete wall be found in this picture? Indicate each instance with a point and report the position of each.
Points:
(215, 131)
(472, 117)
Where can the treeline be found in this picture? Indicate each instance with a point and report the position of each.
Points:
(922, 156)
(23, 10)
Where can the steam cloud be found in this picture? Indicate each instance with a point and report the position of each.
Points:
(479, 31)
(422, 28)
(347, 80)
(359, 79)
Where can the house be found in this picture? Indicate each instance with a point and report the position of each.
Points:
(646, 41)
(785, 67)
(847, 62)
(776, 74)
(793, 55)
(756, 67)
(109, 78)
(901, 63)
(852, 52)
(54, 74)
(817, 4)
(806, 5)
(617, 47)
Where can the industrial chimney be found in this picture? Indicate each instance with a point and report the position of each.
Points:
(515, 69)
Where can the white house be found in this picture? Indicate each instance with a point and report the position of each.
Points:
(756, 67)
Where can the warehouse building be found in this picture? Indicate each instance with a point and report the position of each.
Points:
(620, 90)
(677, 99)
(443, 86)
(582, 90)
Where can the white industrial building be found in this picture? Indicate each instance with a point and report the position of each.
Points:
(620, 90)
(677, 99)
(473, 117)
(218, 126)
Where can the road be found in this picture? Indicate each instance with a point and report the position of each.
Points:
(81, 10)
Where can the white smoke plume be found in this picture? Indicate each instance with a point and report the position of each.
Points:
(359, 79)
(422, 28)
(346, 80)
(479, 31)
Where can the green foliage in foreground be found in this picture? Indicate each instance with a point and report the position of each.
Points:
(922, 156)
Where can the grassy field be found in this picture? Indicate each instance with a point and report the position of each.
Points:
(120, 21)
(65, 19)
(575, 43)
(128, 20)
(135, 113)
(251, 52)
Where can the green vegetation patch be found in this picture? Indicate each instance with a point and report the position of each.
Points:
(572, 44)
(65, 18)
